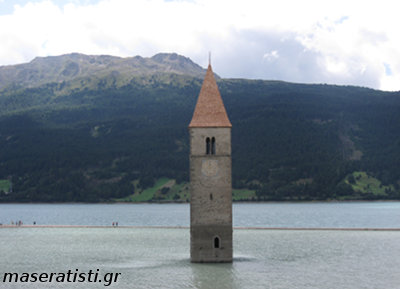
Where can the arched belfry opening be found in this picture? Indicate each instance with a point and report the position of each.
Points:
(208, 146)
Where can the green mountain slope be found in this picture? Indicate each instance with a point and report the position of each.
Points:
(102, 131)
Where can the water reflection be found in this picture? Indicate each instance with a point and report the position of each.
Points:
(210, 276)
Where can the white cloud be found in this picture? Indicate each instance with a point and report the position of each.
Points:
(342, 42)
(270, 56)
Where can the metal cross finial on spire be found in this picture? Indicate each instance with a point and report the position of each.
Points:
(209, 58)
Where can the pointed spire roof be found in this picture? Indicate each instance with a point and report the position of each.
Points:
(210, 110)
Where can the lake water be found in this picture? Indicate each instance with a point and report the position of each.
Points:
(154, 257)
(288, 215)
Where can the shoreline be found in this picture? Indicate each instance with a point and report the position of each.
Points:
(183, 203)
(187, 227)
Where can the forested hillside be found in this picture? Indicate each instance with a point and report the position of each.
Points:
(93, 130)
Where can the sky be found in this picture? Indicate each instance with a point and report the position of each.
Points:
(343, 42)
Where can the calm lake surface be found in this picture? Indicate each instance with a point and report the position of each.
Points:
(153, 257)
(288, 215)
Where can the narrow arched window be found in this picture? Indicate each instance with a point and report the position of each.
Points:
(208, 146)
(211, 197)
(213, 146)
(216, 243)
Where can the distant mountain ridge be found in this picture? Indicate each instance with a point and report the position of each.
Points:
(100, 128)
(67, 67)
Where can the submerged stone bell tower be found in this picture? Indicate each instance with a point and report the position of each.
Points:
(210, 177)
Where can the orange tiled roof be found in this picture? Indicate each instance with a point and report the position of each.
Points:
(210, 110)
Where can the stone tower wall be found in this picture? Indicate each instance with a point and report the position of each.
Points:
(211, 195)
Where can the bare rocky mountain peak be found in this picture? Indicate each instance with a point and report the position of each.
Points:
(68, 67)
